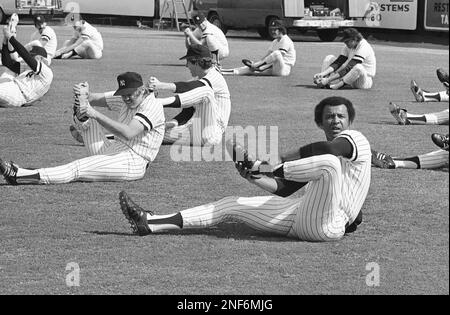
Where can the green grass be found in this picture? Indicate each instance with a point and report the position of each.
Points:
(43, 228)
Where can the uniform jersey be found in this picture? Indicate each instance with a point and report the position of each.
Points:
(217, 82)
(364, 53)
(48, 34)
(211, 30)
(91, 33)
(151, 114)
(286, 45)
(356, 174)
(34, 85)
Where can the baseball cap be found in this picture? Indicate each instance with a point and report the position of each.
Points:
(39, 19)
(38, 51)
(277, 24)
(128, 83)
(199, 18)
(197, 51)
(350, 33)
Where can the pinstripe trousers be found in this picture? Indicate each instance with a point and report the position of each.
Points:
(10, 94)
(357, 77)
(109, 160)
(314, 217)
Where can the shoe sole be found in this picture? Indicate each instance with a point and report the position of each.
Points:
(394, 110)
(415, 91)
(124, 207)
(76, 134)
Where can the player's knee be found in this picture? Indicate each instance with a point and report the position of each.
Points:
(329, 60)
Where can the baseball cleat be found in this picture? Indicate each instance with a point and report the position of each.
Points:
(417, 92)
(76, 134)
(13, 21)
(9, 171)
(399, 114)
(382, 160)
(353, 227)
(440, 140)
(442, 76)
(136, 215)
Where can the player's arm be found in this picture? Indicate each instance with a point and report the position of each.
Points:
(338, 147)
(23, 52)
(181, 87)
(191, 37)
(71, 46)
(331, 70)
(278, 186)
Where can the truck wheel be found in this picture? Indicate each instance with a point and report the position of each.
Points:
(327, 35)
(215, 19)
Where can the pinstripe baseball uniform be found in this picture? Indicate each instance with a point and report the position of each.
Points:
(336, 190)
(210, 99)
(119, 159)
(361, 75)
(213, 38)
(27, 88)
(47, 33)
(435, 159)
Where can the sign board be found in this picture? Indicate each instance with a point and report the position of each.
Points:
(390, 14)
(436, 15)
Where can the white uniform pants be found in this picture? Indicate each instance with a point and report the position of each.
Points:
(314, 217)
(110, 160)
(10, 94)
(357, 78)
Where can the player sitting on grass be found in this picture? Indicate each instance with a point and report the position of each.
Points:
(355, 67)
(279, 60)
(433, 160)
(205, 102)
(424, 96)
(86, 43)
(28, 86)
(334, 176)
(138, 135)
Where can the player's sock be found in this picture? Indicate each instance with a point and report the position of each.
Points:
(410, 163)
(158, 223)
(27, 176)
(431, 97)
(416, 119)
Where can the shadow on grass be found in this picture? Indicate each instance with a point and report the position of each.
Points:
(226, 231)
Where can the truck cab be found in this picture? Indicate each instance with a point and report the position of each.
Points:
(29, 7)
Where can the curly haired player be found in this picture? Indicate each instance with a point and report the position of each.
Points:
(334, 176)
(138, 132)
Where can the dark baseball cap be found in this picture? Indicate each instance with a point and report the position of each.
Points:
(199, 18)
(39, 19)
(277, 24)
(38, 51)
(197, 51)
(128, 83)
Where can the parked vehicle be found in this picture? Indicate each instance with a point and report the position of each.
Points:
(29, 7)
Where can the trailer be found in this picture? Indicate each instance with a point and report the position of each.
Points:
(29, 7)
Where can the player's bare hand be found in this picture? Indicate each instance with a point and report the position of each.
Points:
(187, 31)
(153, 83)
(81, 89)
(171, 124)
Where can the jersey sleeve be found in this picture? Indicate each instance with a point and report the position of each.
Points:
(46, 35)
(285, 45)
(359, 143)
(362, 52)
(151, 114)
(114, 103)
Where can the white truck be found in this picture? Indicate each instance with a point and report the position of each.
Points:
(29, 7)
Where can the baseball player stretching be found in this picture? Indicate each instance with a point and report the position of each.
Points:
(87, 43)
(44, 36)
(29, 86)
(208, 35)
(334, 176)
(432, 160)
(355, 67)
(279, 60)
(206, 102)
(138, 135)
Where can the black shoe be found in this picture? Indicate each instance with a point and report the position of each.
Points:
(440, 140)
(9, 172)
(354, 226)
(442, 76)
(136, 215)
(382, 160)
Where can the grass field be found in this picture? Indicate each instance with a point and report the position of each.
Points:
(43, 228)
